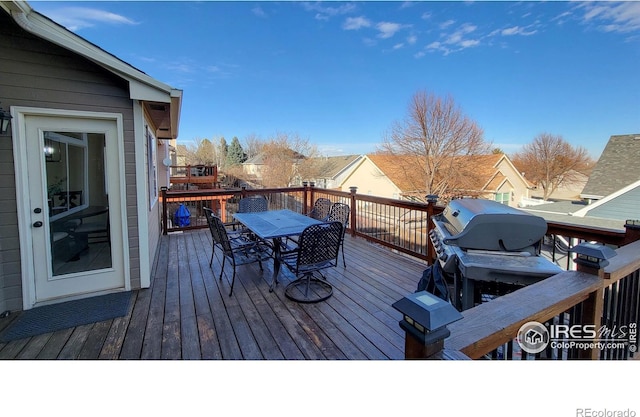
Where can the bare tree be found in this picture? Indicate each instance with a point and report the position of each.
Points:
(252, 145)
(430, 138)
(201, 152)
(286, 160)
(551, 162)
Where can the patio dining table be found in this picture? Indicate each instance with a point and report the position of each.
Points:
(275, 225)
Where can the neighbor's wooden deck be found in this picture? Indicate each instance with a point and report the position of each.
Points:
(188, 314)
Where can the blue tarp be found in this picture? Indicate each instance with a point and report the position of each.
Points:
(182, 216)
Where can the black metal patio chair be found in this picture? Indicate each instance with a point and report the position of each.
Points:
(340, 213)
(320, 210)
(236, 247)
(250, 205)
(318, 248)
(253, 204)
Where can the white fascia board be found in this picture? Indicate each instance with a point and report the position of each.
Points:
(142, 86)
(584, 211)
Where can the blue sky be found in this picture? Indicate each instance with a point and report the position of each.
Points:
(340, 73)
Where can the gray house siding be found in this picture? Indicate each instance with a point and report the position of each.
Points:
(36, 73)
(623, 207)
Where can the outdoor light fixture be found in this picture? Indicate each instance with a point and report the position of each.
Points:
(426, 316)
(592, 254)
(5, 119)
(51, 150)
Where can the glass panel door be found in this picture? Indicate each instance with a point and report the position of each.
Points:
(74, 185)
(77, 201)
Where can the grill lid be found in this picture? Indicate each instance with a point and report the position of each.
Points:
(489, 225)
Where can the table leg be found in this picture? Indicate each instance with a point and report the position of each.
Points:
(276, 262)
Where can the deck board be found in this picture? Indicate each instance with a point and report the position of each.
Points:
(187, 312)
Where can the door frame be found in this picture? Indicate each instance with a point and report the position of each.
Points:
(22, 195)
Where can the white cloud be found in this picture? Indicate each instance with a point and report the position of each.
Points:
(387, 29)
(398, 46)
(324, 12)
(469, 43)
(259, 11)
(76, 18)
(412, 39)
(446, 24)
(457, 36)
(355, 23)
(623, 17)
(517, 30)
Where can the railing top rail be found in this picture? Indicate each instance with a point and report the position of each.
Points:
(489, 325)
(624, 263)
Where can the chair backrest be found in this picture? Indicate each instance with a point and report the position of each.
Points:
(319, 246)
(253, 205)
(218, 231)
(320, 209)
(340, 213)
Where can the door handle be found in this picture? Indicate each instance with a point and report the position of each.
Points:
(37, 224)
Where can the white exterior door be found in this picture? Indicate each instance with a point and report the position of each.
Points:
(71, 205)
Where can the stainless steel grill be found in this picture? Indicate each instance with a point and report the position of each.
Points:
(483, 240)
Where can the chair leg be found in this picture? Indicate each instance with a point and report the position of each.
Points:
(344, 262)
(222, 267)
(233, 280)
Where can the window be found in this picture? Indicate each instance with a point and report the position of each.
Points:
(152, 168)
(503, 198)
(66, 155)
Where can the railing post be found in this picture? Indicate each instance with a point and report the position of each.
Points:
(424, 319)
(591, 259)
(432, 199)
(354, 211)
(312, 194)
(164, 210)
(305, 198)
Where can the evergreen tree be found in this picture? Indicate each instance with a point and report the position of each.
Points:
(235, 153)
(223, 148)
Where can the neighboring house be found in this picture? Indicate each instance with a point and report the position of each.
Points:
(254, 168)
(494, 178)
(617, 167)
(566, 192)
(80, 166)
(624, 204)
(611, 195)
(332, 170)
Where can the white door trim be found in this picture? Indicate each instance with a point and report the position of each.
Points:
(22, 193)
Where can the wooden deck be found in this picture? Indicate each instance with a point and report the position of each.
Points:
(188, 314)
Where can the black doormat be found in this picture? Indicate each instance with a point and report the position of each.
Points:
(51, 318)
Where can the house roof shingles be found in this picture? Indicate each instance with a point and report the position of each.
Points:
(480, 171)
(618, 166)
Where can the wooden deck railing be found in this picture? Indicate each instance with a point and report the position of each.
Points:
(205, 176)
(609, 297)
(399, 225)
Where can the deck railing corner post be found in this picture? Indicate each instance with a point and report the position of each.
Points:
(163, 190)
(354, 211)
(592, 259)
(432, 199)
(423, 345)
